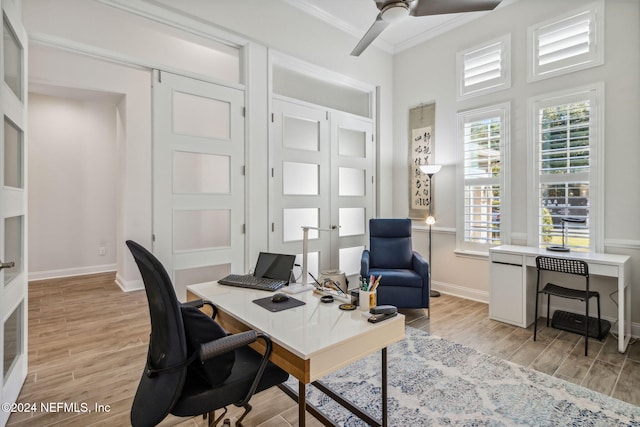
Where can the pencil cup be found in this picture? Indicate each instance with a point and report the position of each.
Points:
(367, 300)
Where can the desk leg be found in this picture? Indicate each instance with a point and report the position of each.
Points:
(302, 404)
(384, 387)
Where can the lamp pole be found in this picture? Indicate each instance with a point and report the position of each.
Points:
(430, 170)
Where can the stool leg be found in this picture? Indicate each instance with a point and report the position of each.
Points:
(599, 323)
(586, 326)
(535, 318)
(548, 307)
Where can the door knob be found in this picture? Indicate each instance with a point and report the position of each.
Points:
(9, 264)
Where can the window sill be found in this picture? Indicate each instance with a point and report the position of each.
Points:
(471, 254)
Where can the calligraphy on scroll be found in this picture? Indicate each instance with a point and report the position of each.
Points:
(421, 154)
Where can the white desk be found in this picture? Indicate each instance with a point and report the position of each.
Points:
(512, 296)
(309, 341)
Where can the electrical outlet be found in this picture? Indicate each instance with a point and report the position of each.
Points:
(102, 251)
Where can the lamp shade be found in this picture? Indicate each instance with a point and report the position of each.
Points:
(430, 169)
(430, 220)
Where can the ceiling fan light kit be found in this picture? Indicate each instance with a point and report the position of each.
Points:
(393, 11)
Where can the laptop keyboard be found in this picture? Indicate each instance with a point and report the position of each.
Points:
(252, 282)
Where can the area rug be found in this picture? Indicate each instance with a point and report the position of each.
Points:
(436, 382)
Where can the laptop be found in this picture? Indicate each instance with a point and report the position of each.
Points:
(272, 272)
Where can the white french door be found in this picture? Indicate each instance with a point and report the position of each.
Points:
(13, 208)
(321, 165)
(198, 180)
(353, 188)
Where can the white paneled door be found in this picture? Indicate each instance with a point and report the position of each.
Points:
(13, 210)
(198, 179)
(322, 176)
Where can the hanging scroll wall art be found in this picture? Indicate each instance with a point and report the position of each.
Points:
(421, 120)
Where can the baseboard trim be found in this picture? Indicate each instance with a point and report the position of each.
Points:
(68, 272)
(482, 296)
(460, 291)
(129, 285)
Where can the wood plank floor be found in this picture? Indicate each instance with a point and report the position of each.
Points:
(88, 342)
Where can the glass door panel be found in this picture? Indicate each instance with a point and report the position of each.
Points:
(13, 248)
(201, 173)
(201, 229)
(13, 153)
(13, 58)
(12, 346)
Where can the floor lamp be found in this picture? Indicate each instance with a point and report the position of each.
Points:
(430, 170)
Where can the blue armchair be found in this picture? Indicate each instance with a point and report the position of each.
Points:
(405, 279)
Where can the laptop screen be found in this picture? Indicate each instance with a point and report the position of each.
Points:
(274, 266)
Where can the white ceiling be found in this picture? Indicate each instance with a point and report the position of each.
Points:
(356, 16)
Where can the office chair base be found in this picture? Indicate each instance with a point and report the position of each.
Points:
(574, 322)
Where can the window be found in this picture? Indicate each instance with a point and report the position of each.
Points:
(483, 69)
(483, 136)
(567, 149)
(566, 44)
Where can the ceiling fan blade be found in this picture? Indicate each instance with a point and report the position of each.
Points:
(374, 31)
(440, 7)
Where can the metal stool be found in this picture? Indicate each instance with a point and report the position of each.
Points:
(569, 266)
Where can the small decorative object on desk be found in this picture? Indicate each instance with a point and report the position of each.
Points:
(367, 293)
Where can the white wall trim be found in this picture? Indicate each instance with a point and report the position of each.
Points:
(461, 291)
(67, 272)
(436, 229)
(622, 243)
(118, 58)
(129, 285)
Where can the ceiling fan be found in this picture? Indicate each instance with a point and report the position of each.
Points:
(392, 11)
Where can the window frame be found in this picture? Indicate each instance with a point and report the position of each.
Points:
(488, 86)
(594, 57)
(594, 93)
(502, 110)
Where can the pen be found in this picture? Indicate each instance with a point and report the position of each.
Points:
(376, 283)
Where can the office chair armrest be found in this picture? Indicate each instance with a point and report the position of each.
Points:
(198, 303)
(231, 342)
(364, 263)
(226, 344)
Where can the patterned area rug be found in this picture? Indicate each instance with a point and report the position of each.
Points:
(435, 382)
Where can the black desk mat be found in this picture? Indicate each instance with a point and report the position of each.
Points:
(278, 306)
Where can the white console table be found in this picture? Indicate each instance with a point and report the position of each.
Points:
(512, 293)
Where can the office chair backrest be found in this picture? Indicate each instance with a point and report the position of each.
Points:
(390, 243)
(158, 390)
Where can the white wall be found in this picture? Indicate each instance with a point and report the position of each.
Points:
(131, 133)
(72, 185)
(426, 73)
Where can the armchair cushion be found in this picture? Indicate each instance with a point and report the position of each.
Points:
(201, 329)
(390, 241)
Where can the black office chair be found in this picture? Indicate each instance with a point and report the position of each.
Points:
(213, 375)
(562, 319)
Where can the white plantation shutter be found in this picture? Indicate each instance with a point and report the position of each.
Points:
(483, 135)
(484, 68)
(567, 146)
(566, 44)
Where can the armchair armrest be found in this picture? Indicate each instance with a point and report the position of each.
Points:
(420, 265)
(364, 263)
